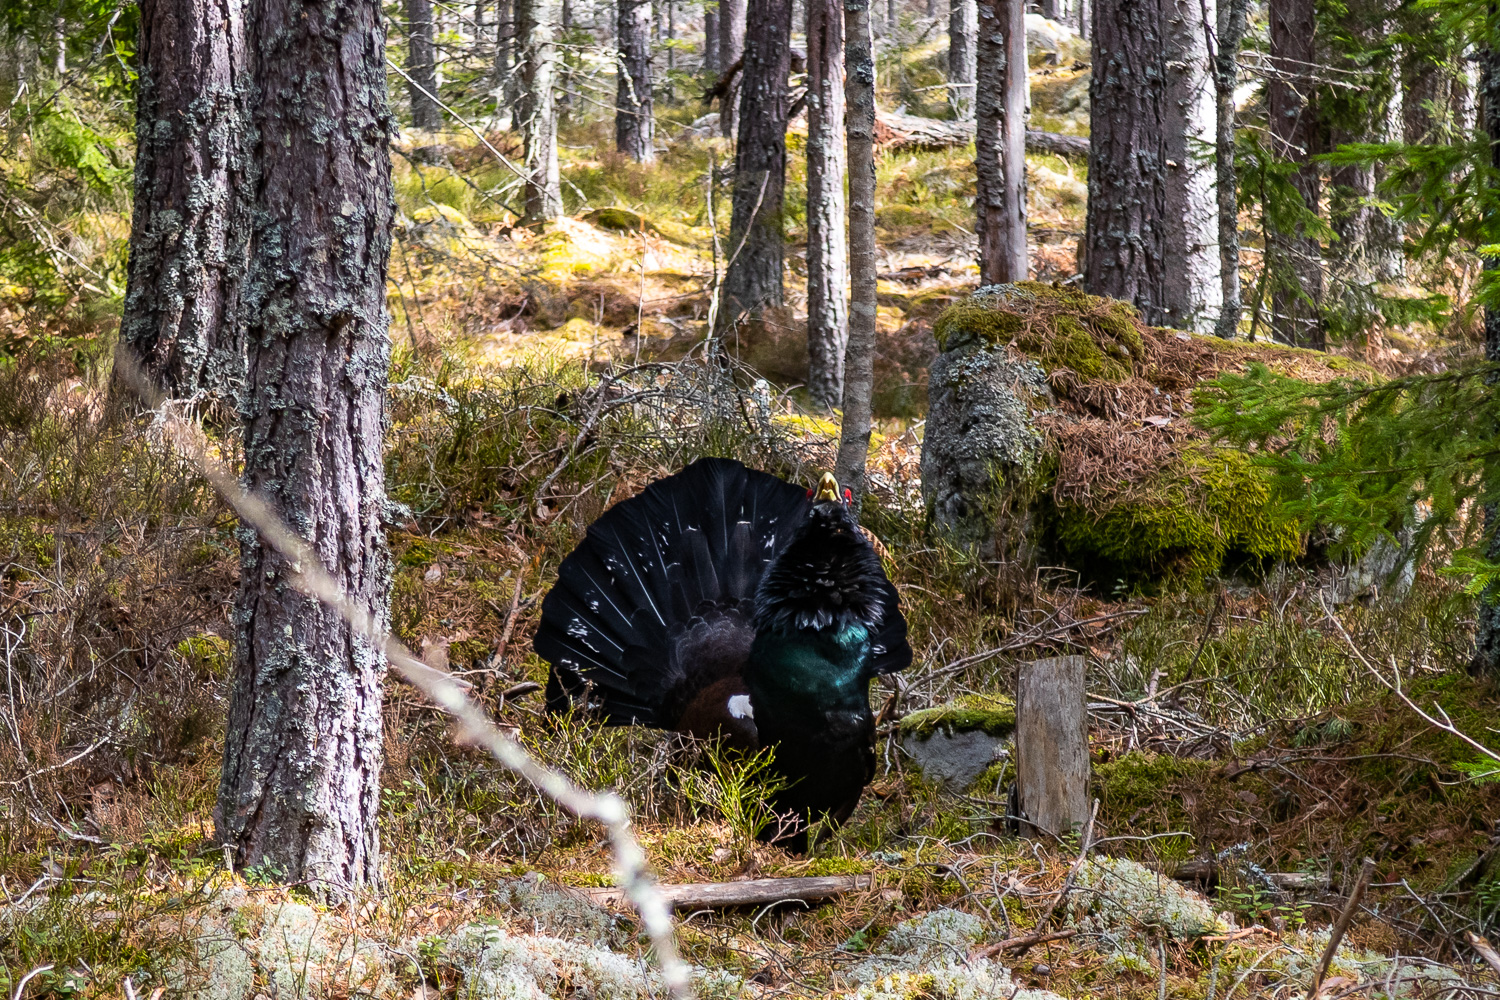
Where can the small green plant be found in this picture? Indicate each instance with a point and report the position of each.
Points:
(1257, 904)
(739, 789)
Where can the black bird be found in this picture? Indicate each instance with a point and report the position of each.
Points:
(723, 601)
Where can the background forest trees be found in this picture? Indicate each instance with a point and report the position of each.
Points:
(440, 279)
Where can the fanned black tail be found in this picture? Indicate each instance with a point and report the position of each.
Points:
(656, 601)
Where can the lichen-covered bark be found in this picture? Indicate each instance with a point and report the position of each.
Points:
(1000, 141)
(1127, 205)
(190, 229)
(634, 130)
(536, 109)
(981, 440)
(1487, 631)
(421, 66)
(962, 57)
(859, 356)
(732, 15)
(756, 231)
(1295, 259)
(827, 246)
(1151, 235)
(301, 781)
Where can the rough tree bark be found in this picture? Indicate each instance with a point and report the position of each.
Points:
(505, 59)
(189, 238)
(1232, 18)
(1295, 258)
(827, 244)
(536, 111)
(962, 57)
(635, 133)
(1000, 141)
(732, 19)
(859, 356)
(421, 66)
(1151, 234)
(301, 781)
(1486, 659)
(711, 62)
(756, 238)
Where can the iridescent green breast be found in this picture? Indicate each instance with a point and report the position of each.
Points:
(829, 669)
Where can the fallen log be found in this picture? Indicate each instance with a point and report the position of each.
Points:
(1206, 870)
(895, 131)
(753, 892)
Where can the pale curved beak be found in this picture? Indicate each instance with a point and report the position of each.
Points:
(828, 489)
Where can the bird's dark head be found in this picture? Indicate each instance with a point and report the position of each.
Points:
(828, 576)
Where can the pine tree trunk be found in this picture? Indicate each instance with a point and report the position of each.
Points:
(1050, 9)
(827, 244)
(756, 240)
(712, 66)
(859, 357)
(634, 130)
(1000, 141)
(1151, 234)
(505, 60)
(536, 69)
(732, 15)
(1486, 659)
(1296, 260)
(189, 238)
(301, 781)
(1232, 17)
(962, 56)
(1127, 182)
(426, 116)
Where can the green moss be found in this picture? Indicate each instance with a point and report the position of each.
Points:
(834, 866)
(1214, 507)
(1142, 789)
(620, 219)
(27, 539)
(993, 714)
(1062, 328)
(207, 654)
(468, 651)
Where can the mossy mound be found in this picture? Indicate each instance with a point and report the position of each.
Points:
(1062, 328)
(1062, 417)
(992, 714)
(621, 220)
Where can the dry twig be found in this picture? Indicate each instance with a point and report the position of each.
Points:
(474, 725)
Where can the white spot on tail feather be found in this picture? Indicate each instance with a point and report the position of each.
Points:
(740, 707)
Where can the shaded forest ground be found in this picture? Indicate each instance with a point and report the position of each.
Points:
(540, 377)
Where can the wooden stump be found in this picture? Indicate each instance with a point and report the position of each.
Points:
(1052, 746)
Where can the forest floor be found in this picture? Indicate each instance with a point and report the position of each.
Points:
(1250, 724)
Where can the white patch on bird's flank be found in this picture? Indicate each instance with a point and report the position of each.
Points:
(740, 707)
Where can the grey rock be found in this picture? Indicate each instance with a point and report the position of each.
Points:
(955, 759)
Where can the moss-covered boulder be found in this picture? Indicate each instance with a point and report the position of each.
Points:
(955, 743)
(1060, 425)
